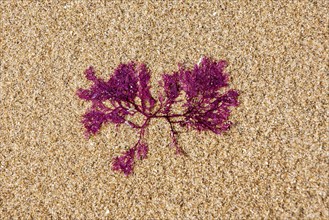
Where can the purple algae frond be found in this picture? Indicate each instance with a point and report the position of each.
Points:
(127, 92)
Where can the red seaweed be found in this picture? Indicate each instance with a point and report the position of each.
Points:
(205, 108)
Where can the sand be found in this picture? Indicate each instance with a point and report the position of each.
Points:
(272, 164)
